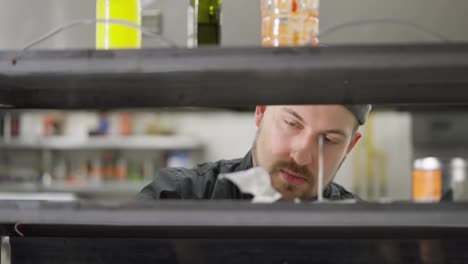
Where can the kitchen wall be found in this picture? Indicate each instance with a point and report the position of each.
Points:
(241, 25)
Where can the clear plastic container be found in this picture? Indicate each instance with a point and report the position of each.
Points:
(288, 23)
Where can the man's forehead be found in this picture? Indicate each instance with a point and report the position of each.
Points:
(330, 116)
(317, 111)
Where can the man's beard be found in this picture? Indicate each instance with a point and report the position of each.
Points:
(275, 168)
(291, 166)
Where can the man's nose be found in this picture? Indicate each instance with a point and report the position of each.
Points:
(305, 151)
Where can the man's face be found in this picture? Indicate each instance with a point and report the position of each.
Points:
(287, 145)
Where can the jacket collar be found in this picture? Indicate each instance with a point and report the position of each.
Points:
(247, 162)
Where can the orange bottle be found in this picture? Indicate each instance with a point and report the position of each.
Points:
(125, 124)
(427, 180)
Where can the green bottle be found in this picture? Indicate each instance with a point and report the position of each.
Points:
(208, 21)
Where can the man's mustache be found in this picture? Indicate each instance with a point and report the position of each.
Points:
(293, 167)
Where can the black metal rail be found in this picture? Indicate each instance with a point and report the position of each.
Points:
(235, 77)
(211, 219)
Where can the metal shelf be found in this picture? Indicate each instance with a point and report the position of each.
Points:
(111, 188)
(233, 231)
(233, 77)
(104, 187)
(205, 219)
(39, 196)
(138, 142)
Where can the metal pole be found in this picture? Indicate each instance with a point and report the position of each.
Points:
(320, 169)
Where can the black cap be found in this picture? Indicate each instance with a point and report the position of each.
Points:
(360, 111)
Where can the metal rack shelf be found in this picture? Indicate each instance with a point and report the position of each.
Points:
(226, 77)
(193, 218)
(216, 231)
(123, 187)
(138, 142)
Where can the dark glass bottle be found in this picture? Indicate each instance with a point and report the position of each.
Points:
(208, 21)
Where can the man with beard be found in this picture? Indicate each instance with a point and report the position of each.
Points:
(286, 145)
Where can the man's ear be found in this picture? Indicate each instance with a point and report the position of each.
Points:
(357, 136)
(259, 114)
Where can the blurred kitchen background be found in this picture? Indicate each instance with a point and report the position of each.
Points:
(112, 154)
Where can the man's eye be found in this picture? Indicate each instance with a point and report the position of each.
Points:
(331, 140)
(290, 123)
